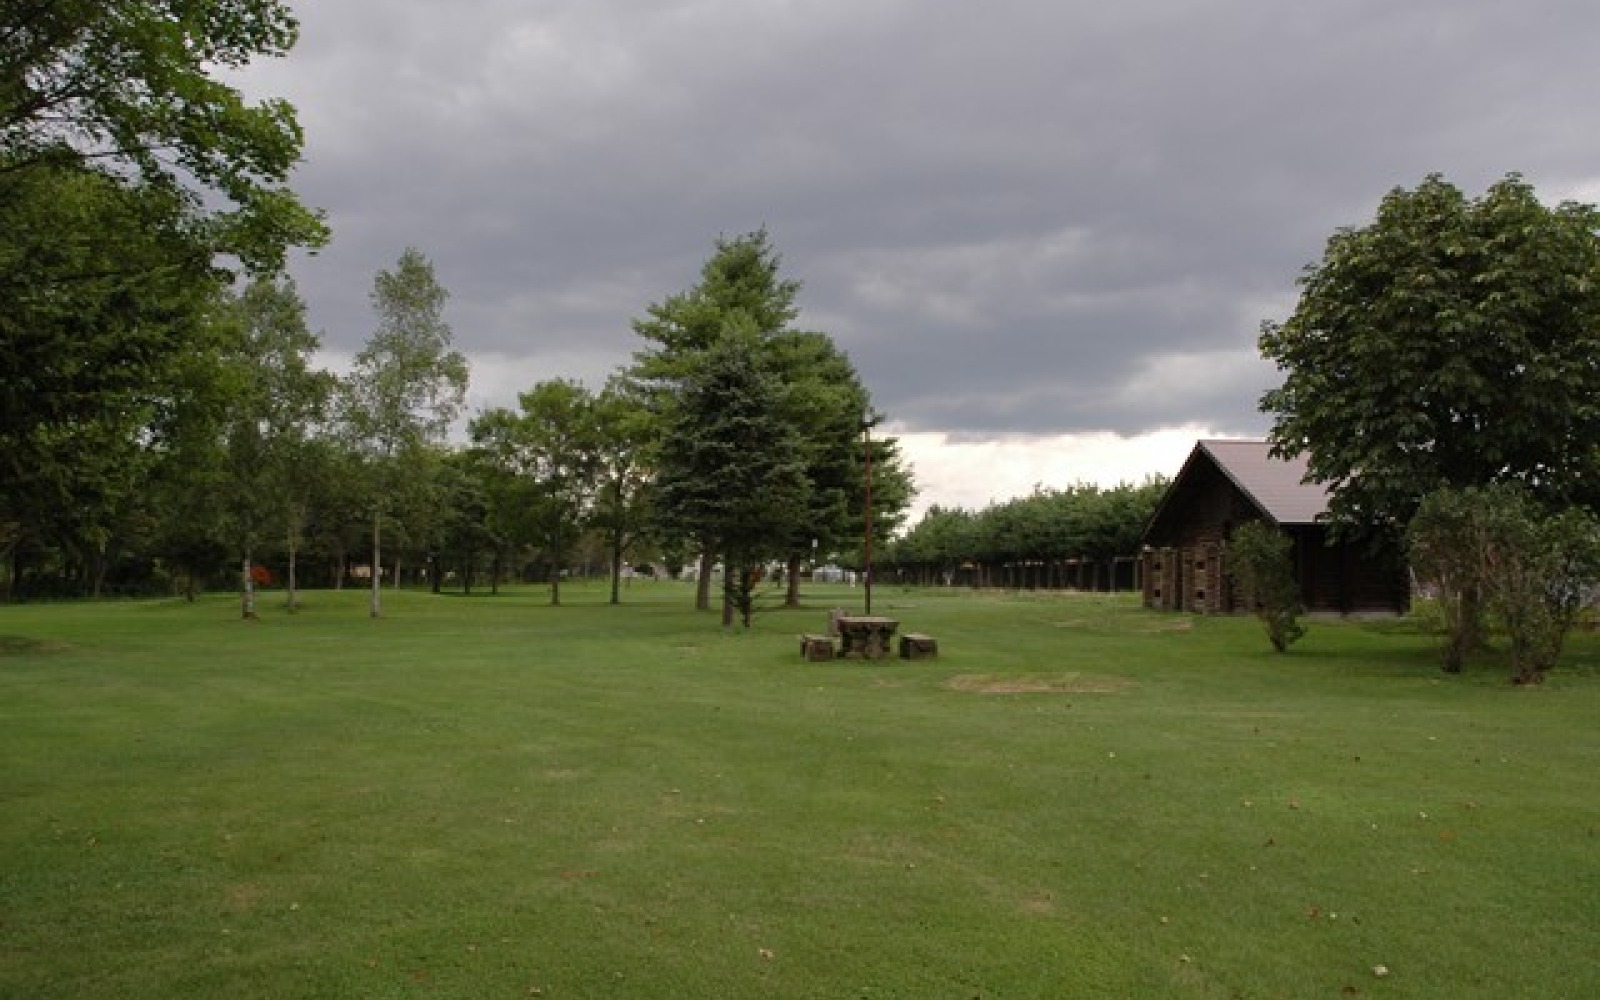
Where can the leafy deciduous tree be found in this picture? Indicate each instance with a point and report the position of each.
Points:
(1534, 569)
(623, 433)
(405, 388)
(276, 397)
(552, 447)
(132, 85)
(1451, 342)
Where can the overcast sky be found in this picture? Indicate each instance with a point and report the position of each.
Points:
(1045, 231)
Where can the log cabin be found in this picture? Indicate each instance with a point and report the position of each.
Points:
(1225, 483)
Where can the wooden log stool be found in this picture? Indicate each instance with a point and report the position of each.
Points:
(916, 646)
(816, 648)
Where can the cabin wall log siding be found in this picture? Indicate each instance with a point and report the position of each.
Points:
(1184, 559)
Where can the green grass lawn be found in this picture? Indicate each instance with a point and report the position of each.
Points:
(488, 797)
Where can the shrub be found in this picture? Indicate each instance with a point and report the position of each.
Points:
(1535, 570)
(1260, 562)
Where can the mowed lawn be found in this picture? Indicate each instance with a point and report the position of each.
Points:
(488, 797)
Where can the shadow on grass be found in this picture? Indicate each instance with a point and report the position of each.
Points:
(21, 645)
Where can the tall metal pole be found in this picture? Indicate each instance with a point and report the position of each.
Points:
(866, 434)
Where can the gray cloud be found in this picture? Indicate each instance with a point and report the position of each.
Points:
(1016, 216)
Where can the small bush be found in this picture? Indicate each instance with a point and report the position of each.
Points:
(1260, 562)
(1497, 549)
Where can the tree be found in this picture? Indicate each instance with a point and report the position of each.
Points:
(817, 392)
(1446, 540)
(1542, 569)
(276, 399)
(731, 472)
(405, 388)
(127, 175)
(824, 400)
(1451, 342)
(552, 447)
(1533, 568)
(127, 87)
(623, 432)
(740, 288)
(466, 532)
(108, 306)
(1260, 561)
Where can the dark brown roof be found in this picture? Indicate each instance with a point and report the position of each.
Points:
(1271, 485)
(1277, 486)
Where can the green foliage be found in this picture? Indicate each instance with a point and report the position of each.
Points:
(1049, 525)
(274, 402)
(1448, 343)
(406, 385)
(405, 388)
(1446, 541)
(623, 432)
(741, 296)
(1535, 570)
(1260, 559)
(130, 86)
(550, 452)
(731, 472)
(740, 283)
(107, 312)
(128, 175)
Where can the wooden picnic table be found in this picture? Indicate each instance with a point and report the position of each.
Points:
(866, 636)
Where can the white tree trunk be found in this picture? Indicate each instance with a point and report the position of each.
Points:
(375, 610)
(248, 609)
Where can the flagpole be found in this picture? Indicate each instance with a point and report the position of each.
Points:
(866, 432)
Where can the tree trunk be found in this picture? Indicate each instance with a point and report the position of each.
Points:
(375, 608)
(792, 598)
(292, 597)
(248, 599)
(702, 592)
(557, 560)
(616, 567)
(98, 572)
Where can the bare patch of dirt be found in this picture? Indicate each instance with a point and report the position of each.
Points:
(1038, 904)
(243, 898)
(1066, 684)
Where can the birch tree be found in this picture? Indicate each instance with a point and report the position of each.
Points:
(405, 388)
(277, 398)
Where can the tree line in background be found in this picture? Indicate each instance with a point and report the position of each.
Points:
(1084, 537)
(732, 438)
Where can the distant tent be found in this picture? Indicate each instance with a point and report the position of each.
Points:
(1224, 484)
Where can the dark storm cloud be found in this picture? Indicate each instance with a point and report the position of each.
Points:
(1015, 216)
